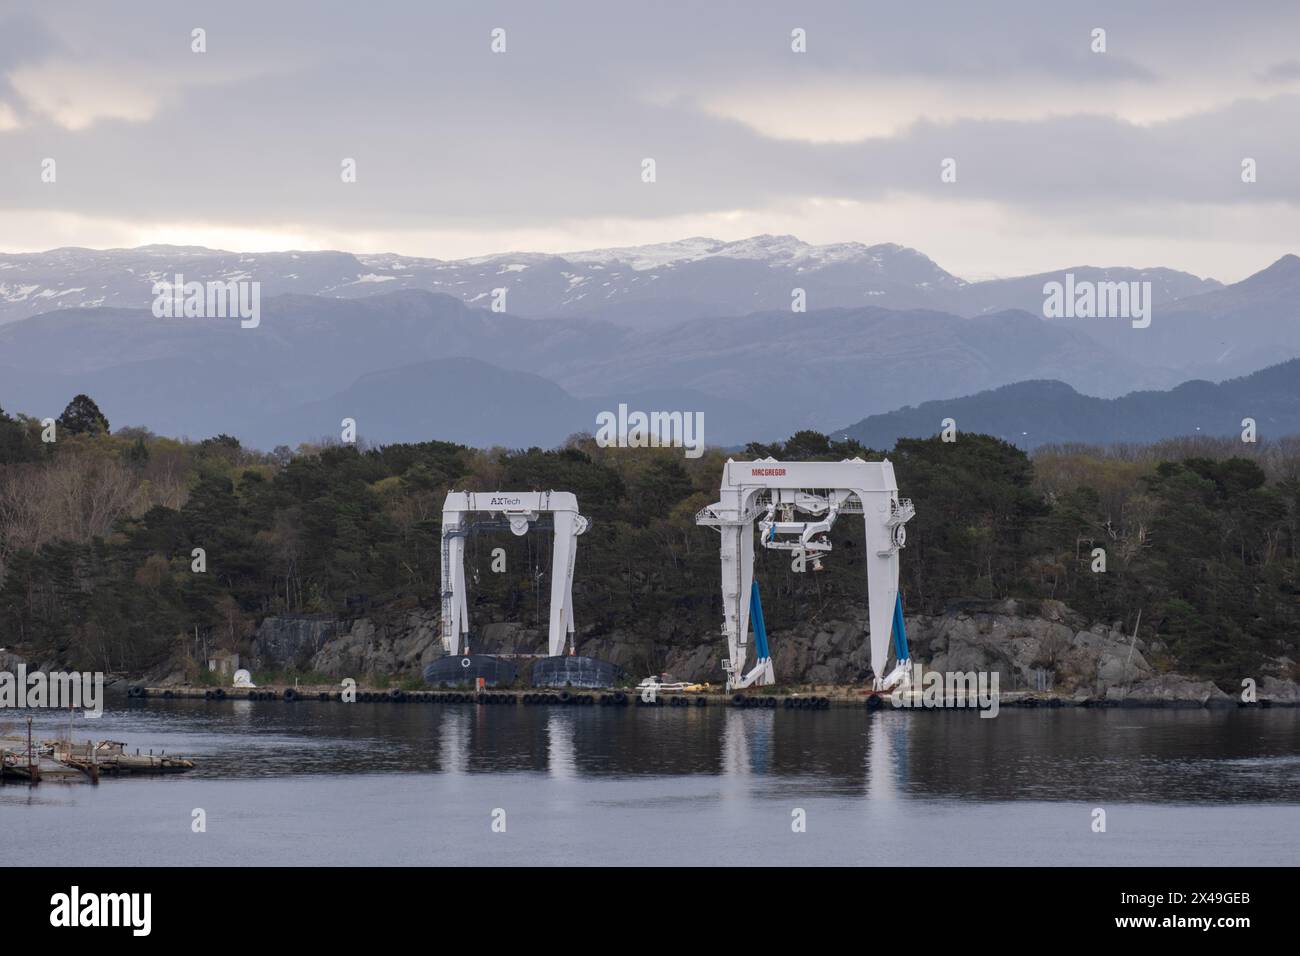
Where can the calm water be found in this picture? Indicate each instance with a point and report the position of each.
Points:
(313, 783)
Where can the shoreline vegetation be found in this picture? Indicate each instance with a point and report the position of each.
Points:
(99, 531)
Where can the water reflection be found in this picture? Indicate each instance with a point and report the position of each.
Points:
(886, 756)
(559, 738)
(1152, 755)
(747, 742)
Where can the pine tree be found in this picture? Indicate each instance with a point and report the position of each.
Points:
(83, 417)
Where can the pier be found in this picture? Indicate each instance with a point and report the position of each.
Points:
(25, 760)
(583, 697)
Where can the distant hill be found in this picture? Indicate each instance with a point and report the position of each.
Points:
(1217, 334)
(468, 401)
(756, 377)
(1029, 414)
(1026, 292)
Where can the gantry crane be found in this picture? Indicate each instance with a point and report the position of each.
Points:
(519, 511)
(774, 493)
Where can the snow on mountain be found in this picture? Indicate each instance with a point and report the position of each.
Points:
(645, 258)
(776, 251)
(645, 287)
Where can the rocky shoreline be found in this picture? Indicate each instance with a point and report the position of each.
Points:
(1045, 650)
(1044, 655)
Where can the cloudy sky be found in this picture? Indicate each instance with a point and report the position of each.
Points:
(1064, 156)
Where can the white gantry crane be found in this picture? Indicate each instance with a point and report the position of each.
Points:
(775, 494)
(519, 511)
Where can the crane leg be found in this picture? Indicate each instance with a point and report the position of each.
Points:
(737, 582)
(454, 612)
(882, 587)
(564, 555)
(461, 614)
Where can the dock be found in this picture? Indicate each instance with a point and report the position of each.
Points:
(27, 761)
(575, 697)
(540, 696)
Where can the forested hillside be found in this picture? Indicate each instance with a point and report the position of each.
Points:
(98, 531)
(1030, 414)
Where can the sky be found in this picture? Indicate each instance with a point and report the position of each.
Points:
(1063, 155)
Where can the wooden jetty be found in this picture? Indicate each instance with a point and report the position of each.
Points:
(32, 762)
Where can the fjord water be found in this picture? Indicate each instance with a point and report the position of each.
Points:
(421, 784)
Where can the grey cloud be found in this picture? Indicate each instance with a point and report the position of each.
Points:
(447, 134)
(24, 38)
(1283, 72)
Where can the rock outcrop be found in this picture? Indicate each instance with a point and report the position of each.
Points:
(293, 641)
(363, 648)
(1043, 648)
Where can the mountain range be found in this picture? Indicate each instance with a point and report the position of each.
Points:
(640, 286)
(667, 327)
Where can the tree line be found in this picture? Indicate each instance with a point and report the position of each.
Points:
(99, 531)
